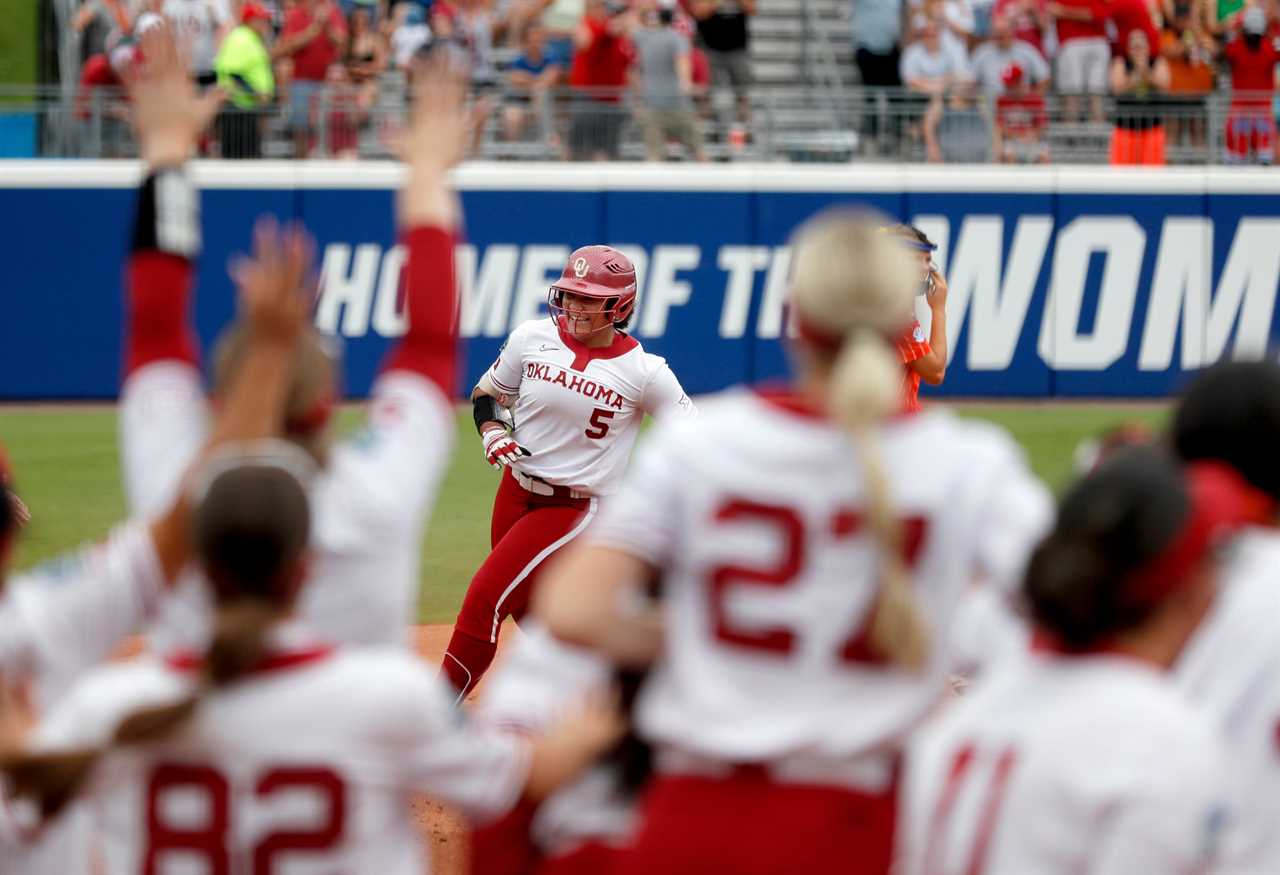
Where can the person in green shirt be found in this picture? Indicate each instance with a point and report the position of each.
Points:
(243, 66)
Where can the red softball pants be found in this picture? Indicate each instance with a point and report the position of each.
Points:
(749, 824)
(525, 532)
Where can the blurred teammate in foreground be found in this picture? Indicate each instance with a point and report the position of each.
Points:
(68, 615)
(1231, 668)
(372, 495)
(64, 617)
(248, 731)
(812, 544)
(578, 388)
(1084, 759)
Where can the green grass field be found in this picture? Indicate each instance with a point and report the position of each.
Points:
(67, 471)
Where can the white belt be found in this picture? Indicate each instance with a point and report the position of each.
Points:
(541, 487)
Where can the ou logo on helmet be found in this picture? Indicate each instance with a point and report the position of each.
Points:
(580, 267)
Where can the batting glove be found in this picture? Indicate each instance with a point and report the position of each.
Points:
(500, 450)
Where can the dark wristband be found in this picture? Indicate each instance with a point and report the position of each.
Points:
(168, 214)
(484, 408)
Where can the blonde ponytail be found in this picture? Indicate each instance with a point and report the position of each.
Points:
(854, 282)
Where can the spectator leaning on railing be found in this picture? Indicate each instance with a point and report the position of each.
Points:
(1252, 57)
(664, 74)
(313, 37)
(992, 59)
(96, 20)
(1021, 121)
(1139, 80)
(100, 111)
(243, 68)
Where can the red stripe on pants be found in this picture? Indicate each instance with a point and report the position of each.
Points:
(749, 824)
(523, 525)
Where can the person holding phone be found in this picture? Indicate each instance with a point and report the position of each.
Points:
(923, 359)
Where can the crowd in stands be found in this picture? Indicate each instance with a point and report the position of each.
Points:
(320, 66)
(971, 80)
(979, 74)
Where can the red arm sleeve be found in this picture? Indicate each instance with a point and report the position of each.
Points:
(159, 290)
(430, 344)
(158, 275)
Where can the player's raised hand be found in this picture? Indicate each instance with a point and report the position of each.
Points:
(275, 281)
(439, 131)
(168, 115)
(499, 448)
(440, 125)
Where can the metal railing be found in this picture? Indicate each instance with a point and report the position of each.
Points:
(787, 125)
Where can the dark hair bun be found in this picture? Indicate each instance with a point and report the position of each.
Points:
(1110, 524)
(1231, 413)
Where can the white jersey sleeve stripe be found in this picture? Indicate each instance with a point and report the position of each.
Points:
(587, 517)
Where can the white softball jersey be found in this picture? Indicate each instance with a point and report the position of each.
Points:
(56, 622)
(578, 409)
(1231, 671)
(369, 502)
(66, 615)
(307, 766)
(1087, 765)
(755, 514)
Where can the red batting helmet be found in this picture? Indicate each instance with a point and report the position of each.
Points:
(598, 272)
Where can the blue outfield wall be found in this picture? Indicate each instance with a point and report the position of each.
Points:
(1067, 282)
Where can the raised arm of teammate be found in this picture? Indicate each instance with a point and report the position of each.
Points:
(105, 592)
(430, 215)
(70, 614)
(168, 118)
(163, 413)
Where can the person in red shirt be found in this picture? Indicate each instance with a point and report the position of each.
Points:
(1021, 121)
(602, 57)
(1251, 130)
(101, 105)
(1131, 15)
(923, 359)
(313, 36)
(1084, 55)
(1029, 19)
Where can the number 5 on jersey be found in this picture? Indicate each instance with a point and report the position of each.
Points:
(599, 423)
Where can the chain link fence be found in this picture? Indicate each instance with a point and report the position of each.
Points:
(343, 121)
